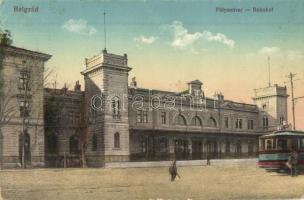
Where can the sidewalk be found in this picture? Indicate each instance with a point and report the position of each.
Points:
(218, 162)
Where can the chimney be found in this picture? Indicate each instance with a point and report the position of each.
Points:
(77, 87)
(133, 83)
(219, 96)
(64, 89)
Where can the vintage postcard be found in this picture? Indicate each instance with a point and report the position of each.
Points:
(151, 99)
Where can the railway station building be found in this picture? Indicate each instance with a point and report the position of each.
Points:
(123, 121)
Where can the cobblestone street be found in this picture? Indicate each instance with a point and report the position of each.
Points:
(197, 182)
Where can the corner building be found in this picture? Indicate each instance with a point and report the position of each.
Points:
(21, 108)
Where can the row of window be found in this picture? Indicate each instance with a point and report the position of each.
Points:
(281, 144)
(181, 146)
(239, 123)
(74, 143)
(142, 117)
(95, 141)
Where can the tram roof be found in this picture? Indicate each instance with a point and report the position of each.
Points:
(284, 133)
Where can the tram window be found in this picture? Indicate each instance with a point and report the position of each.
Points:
(302, 143)
(282, 144)
(274, 144)
(268, 144)
(294, 144)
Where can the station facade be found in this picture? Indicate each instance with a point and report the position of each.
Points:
(112, 120)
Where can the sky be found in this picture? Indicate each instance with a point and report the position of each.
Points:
(170, 43)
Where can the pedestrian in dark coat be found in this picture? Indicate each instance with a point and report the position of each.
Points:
(293, 162)
(173, 170)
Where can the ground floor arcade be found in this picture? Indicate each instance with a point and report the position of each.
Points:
(164, 145)
(151, 145)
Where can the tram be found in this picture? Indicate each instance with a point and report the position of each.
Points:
(275, 148)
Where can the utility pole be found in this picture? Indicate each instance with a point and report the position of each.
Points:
(291, 76)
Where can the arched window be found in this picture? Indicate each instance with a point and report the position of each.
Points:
(116, 108)
(265, 122)
(74, 145)
(51, 143)
(25, 145)
(212, 122)
(180, 120)
(116, 140)
(196, 121)
(94, 142)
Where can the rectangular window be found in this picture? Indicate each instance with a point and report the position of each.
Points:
(24, 80)
(145, 116)
(268, 144)
(250, 124)
(163, 117)
(24, 108)
(226, 122)
(302, 144)
(142, 116)
(138, 116)
(116, 108)
(239, 123)
(282, 144)
(265, 122)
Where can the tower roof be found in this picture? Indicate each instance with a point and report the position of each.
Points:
(198, 82)
(106, 60)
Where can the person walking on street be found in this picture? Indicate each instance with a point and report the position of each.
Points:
(293, 162)
(173, 170)
(208, 159)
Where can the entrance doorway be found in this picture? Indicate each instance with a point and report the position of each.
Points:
(197, 152)
(212, 149)
(181, 149)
